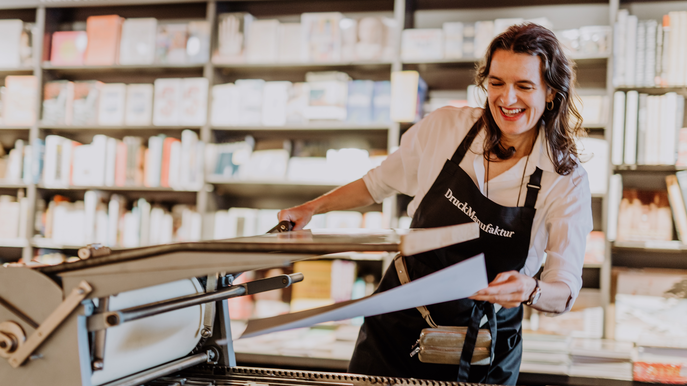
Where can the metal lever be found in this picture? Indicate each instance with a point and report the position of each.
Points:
(283, 226)
(115, 318)
(50, 324)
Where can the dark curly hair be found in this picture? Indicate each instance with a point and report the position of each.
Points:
(562, 123)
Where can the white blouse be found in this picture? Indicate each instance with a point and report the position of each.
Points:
(563, 216)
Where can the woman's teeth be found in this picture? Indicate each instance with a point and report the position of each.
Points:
(511, 112)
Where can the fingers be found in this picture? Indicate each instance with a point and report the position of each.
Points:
(508, 289)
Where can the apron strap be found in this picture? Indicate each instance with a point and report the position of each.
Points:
(404, 278)
(467, 141)
(533, 188)
(478, 311)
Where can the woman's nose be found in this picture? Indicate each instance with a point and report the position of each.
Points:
(509, 96)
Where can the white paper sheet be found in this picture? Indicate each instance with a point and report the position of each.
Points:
(455, 282)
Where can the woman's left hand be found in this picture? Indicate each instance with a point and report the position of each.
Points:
(508, 289)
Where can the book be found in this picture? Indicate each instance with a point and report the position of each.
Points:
(231, 37)
(194, 101)
(68, 48)
(595, 251)
(170, 46)
(274, 103)
(104, 34)
(112, 104)
(615, 194)
(422, 44)
(649, 307)
(138, 40)
(617, 138)
(226, 102)
(594, 156)
(677, 204)
(484, 33)
(261, 41)
(619, 45)
(167, 161)
(289, 43)
(297, 103)
(321, 37)
(10, 30)
(58, 96)
(85, 103)
(251, 92)
(631, 51)
(19, 100)
(265, 165)
(328, 95)
(167, 101)
(642, 127)
(644, 216)
(408, 92)
(198, 43)
(139, 105)
(682, 148)
(316, 291)
(453, 40)
(111, 161)
(359, 106)
(373, 38)
(631, 111)
(381, 102)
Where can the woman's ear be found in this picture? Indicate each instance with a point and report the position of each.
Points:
(550, 94)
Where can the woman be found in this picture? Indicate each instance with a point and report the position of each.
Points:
(514, 163)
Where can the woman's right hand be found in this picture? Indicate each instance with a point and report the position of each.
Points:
(299, 215)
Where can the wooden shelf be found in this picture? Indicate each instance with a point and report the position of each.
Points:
(14, 128)
(39, 242)
(302, 66)
(13, 243)
(124, 67)
(23, 70)
(648, 168)
(105, 128)
(13, 186)
(116, 188)
(313, 126)
(658, 246)
(276, 188)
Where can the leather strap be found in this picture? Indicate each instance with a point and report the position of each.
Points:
(402, 271)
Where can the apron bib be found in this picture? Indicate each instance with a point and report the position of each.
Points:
(385, 341)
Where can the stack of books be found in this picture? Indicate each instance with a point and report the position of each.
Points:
(111, 39)
(110, 220)
(166, 162)
(319, 37)
(167, 102)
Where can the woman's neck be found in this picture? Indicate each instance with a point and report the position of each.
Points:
(522, 143)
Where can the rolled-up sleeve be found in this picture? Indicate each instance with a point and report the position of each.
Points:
(398, 173)
(568, 222)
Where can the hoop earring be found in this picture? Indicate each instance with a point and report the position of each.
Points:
(547, 105)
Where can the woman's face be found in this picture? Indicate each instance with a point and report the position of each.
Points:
(517, 92)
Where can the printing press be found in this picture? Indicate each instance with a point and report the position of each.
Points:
(157, 315)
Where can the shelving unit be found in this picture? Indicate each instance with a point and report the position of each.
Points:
(594, 73)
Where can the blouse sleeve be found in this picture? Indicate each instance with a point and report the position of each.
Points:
(398, 173)
(568, 222)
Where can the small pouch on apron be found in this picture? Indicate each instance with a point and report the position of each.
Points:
(444, 344)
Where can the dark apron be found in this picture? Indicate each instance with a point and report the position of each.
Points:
(385, 341)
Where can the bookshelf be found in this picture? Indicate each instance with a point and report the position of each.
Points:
(594, 73)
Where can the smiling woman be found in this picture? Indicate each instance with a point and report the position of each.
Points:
(522, 144)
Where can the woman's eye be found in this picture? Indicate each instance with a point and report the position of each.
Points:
(496, 84)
